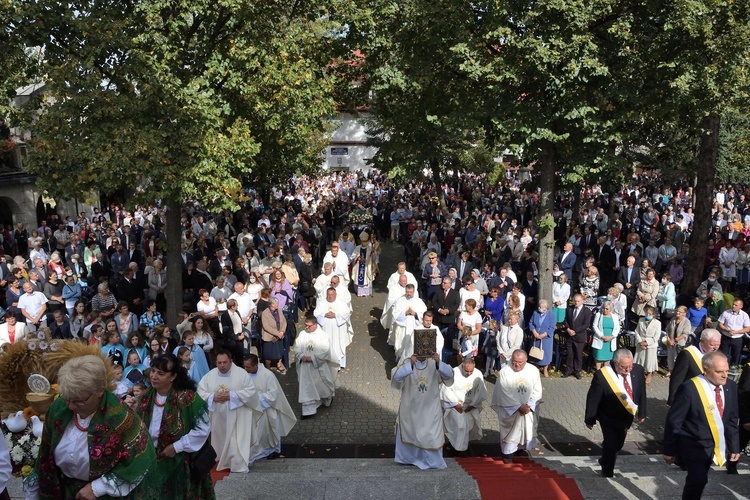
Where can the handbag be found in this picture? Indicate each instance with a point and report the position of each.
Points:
(202, 461)
(536, 352)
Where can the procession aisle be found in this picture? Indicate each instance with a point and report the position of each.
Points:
(360, 422)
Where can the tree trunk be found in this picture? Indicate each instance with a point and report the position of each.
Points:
(576, 208)
(435, 169)
(173, 293)
(703, 196)
(547, 214)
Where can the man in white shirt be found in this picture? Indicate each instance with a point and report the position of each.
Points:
(33, 306)
(245, 304)
(734, 323)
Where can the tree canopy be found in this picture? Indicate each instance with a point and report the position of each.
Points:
(180, 99)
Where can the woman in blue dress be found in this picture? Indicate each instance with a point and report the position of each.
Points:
(542, 327)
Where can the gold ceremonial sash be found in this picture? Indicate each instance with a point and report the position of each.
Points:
(708, 409)
(694, 353)
(627, 403)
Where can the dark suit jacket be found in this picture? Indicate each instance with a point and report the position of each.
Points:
(684, 369)
(612, 259)
(592, 243)
(686, 431)
(467, 268)
(451, 302)
(581, 323)
(635, 279)
(603, 405)
(568, 264)
(229, 337)
(129, 291)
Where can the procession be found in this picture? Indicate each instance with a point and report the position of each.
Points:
(463, 336)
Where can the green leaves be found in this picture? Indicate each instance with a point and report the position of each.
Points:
(181, 99)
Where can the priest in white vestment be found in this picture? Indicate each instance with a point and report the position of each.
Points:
(339, 262)
(518, 392)
(316, 374)
(232, 403)
(333, 317)
(406, 314)
(342, 293)
(323, 282)
(427, 324)
(419, 425)
(401, 271)
(277, 417)
(462, 404)
(395, 292)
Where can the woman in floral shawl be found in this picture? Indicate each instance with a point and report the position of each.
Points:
(92, 446)
(178, 423)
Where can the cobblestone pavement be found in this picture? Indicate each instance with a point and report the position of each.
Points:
(365, 407)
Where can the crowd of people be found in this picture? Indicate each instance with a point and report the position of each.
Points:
(470, 273)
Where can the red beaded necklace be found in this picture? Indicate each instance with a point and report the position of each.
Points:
(78, 425)
(157, 403)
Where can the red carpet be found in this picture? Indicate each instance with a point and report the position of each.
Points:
(217, 476)
(523, 479)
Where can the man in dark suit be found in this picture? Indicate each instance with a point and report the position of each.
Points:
(617, 395)
(588, 240)
(567, 260)
(577, 323)
(464, 266)
(703, 402)
(445, 304)
(629, 278)
(130, 291)
(688, 362)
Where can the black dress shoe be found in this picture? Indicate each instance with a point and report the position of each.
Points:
(566, 375)
(578, 376)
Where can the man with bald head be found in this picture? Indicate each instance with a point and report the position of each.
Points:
(517, 393)
(688, 362)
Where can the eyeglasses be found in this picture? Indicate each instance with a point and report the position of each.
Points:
(79, 403)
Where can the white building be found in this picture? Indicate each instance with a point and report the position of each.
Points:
(348, 149)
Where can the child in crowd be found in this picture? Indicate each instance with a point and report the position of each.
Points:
(135, 343)
(468, 347)
(97, 334)
(94, 318)
(139, 388)
(114, 348)
(197, 356)
(490, 348)
(697, 315)
(120, 388)
(134, 371)
(183, 354)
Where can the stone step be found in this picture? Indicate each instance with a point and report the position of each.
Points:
(348, 478)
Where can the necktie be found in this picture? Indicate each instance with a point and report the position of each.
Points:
(575, 314)
(628, 389)
(719, 402)
(446, 294)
